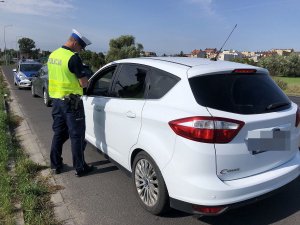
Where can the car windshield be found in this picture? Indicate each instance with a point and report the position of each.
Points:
(30, 67)
(239, 93)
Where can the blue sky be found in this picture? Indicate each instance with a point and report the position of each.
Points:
(165, 26)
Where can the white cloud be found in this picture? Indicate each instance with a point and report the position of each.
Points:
(38, 7)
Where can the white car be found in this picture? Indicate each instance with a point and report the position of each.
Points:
(197, 135)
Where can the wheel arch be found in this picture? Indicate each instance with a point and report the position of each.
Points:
(134, 154)
(160, 160)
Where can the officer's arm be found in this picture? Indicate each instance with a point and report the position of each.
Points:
(76, 67)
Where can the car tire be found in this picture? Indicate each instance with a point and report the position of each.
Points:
(148, 180)
(33, 92)
(46, 98)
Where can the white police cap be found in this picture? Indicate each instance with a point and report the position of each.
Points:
(82, 40)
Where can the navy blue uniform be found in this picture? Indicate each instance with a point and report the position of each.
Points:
(69, 122)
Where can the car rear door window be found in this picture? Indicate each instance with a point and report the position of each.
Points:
(239, 93)
(160, 83)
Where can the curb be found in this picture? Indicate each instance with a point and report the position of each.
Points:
(30, 143)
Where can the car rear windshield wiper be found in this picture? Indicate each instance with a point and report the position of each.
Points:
(277, 105)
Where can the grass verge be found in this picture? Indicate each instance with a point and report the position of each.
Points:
(292, 85)
(21, 183)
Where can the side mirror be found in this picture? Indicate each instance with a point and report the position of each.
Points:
(14, 70)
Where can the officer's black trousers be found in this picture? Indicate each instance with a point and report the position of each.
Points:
(68, 123)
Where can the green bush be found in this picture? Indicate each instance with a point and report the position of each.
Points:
(282, 84)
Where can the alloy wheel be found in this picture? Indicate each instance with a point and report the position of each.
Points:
(146, 182)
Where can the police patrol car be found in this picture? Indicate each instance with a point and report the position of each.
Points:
(25, 71)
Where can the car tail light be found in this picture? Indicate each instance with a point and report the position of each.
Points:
(207, 129)
(209, 210)
(297, 117)
(244, 71)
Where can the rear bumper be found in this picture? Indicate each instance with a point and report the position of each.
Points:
(190, 208)
(211, 191)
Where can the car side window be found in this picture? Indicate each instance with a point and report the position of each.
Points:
(131, 82)
(100, 84)
(160, 83)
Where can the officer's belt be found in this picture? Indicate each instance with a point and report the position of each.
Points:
(71, 96)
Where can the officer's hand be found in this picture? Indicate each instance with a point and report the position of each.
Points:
(83, 82)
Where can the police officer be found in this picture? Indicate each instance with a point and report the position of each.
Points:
(66, 83)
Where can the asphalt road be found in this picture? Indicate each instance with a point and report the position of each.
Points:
(106, 196)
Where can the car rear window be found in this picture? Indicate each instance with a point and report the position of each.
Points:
(239, 93)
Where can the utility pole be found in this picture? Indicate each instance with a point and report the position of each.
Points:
(5, 26)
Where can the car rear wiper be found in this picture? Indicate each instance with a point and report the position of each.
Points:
(277, 105)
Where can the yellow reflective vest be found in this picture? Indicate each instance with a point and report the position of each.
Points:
(62, 81)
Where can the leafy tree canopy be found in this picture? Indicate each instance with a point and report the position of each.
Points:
(26, 45)
(282, 65)
(123, 47)
(93, 59)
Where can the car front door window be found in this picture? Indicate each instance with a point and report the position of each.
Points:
(101, 83)
(131, 82)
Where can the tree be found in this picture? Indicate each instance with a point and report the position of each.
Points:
(292, 67)
(93, 59)
(97, 60)
(26, 45)
(275, 64)
(288, 66)
(244, 60)
(123, 47)
(86, 56)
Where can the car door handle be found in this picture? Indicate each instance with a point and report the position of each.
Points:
(130, 114)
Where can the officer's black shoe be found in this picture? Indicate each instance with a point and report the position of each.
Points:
(56, 171)
(87, 169)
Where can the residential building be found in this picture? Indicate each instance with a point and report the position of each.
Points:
(211, 52)
(227, 55)
(283, 52)
(149, 54)
(198, 53)
(247, 54)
